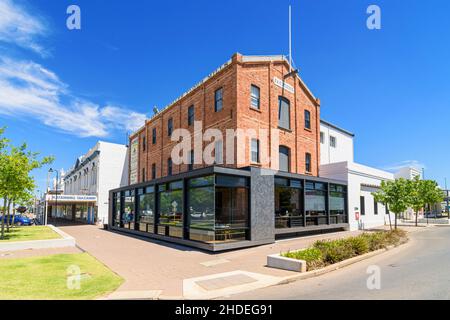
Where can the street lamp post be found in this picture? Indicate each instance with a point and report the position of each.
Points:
(447, 199)
(56, 190)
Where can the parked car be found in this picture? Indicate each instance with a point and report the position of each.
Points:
(20, 220)
(433, 215)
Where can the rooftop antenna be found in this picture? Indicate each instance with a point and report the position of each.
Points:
(291, 72)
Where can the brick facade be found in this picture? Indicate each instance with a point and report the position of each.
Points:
(236, 79)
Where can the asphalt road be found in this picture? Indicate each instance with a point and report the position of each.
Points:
(417, 270)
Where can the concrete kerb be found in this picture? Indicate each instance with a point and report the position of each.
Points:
(63, 242)
(342, 264)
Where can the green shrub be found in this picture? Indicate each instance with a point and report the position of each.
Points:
(335, 251)
(312, 256)
(324, 253)
(360, 245)
(376, 241)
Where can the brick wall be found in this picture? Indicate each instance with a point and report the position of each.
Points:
(236, 80)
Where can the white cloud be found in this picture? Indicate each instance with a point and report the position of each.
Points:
(407, 163)
(29, 90)
(20, 28)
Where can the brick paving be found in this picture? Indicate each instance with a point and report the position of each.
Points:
(154, 265)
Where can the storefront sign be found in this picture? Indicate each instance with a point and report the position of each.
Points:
(134, 157)
(280, 83)
(71, 198)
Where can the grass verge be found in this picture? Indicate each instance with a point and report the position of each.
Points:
(29, 234)
(51, 277)
(325, 253)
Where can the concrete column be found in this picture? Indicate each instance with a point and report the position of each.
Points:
(262, 206)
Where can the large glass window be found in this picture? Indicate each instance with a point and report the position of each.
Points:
(191, 115)
(218, 100)
(170, 127)
(232, 214)
(307, 119)
(153, 171)
(315, 203)
(288, 203)
(169, 166)
(154, 135)
(127, 220)
(284, 113)
(333, 142)
(171, 209)
(146, 210)
(117, 209)
(363, 205)
(191, 160)
(201, 211)
(255, 97)
(255, 151)
(308, 162)
(284, 161)
(218, 150)
(337, 204)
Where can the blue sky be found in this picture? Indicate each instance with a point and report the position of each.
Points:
(61, 90)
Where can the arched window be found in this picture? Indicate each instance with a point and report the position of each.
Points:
(284, 161)
(284, 113)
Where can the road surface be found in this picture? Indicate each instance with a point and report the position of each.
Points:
(418, 270)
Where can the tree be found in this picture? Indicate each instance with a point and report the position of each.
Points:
(16, 182)
(417, 194)
(432, 193)
(395, 195)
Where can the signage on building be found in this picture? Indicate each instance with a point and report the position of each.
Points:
(134, 157)
(71, 198)
(282, 84)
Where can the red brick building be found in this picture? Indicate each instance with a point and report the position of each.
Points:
(246, 93)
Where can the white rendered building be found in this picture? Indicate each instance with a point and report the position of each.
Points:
(87, 184)
(337, 162)
(336, 144)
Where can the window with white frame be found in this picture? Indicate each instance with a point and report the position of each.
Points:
(333, 142)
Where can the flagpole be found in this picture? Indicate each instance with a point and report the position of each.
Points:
(290, 39)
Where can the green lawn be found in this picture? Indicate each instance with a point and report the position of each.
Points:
(29, 233)
(46, 278)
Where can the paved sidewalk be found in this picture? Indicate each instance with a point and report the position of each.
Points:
(150, 265)
(38, 253)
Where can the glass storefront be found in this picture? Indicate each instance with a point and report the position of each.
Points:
(170, 200)
(146, 210)
(307, 203)
(338, 195)
(127, 217)
(288, 203)
(232, 208)
(201, 211)
(117, 209)
(215, 209)
(316, 203)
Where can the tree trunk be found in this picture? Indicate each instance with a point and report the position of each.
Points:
(14, 214)
(395, 221)
(9, 215)
(417, 218)
(3, 219)
(390, 221)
